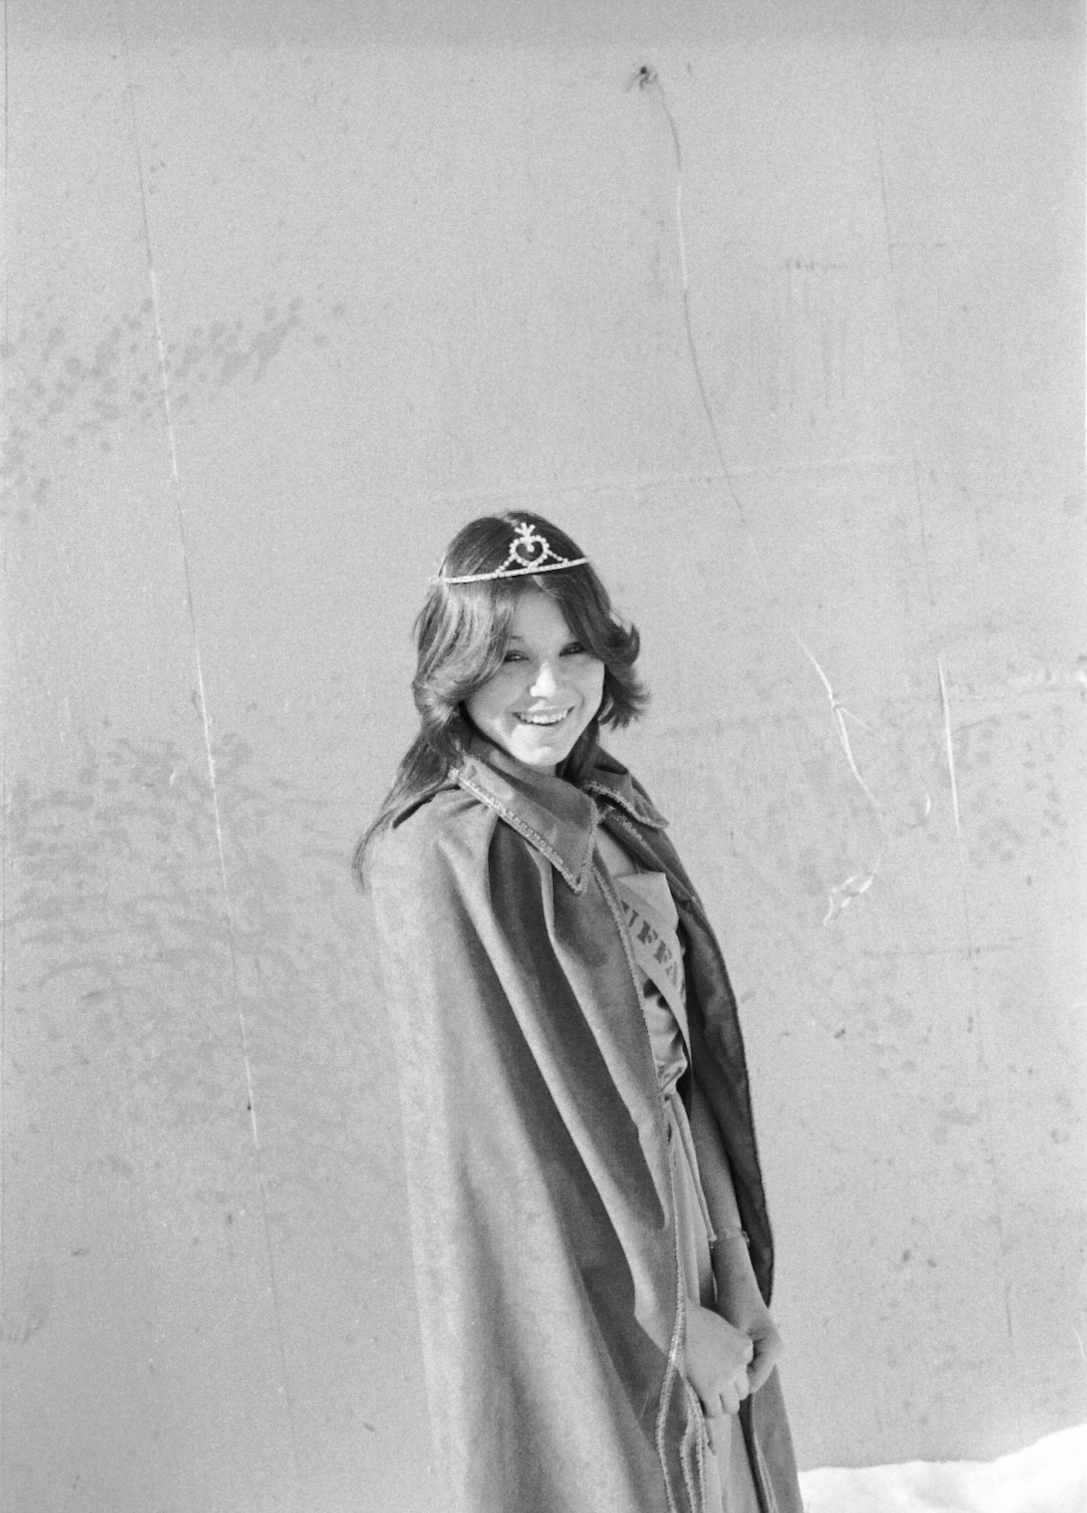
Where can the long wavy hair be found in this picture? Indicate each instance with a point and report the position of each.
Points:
(461, 635)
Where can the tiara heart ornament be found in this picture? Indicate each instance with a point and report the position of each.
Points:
(529, 553)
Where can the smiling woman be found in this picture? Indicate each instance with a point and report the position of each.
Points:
(491, 569)
(545, 693)
(584, 1178)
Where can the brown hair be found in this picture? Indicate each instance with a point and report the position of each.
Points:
(461, 634)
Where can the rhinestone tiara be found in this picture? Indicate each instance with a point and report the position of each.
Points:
(529, 553)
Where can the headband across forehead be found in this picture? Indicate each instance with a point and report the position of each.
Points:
(529, 553)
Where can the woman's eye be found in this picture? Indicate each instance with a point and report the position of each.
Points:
(513, 656)
(575, 649)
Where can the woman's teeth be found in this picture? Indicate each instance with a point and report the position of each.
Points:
(539, 719)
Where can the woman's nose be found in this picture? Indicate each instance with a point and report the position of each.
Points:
(546, 681)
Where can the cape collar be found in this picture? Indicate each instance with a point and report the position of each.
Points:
(555, 816)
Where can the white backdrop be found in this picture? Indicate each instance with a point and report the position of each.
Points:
(292, 294)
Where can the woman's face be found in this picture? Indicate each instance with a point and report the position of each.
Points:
(546, 691)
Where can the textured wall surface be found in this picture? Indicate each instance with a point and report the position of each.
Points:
(787, 334)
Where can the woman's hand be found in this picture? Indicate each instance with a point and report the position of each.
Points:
(718, 1356)
(740, 1302)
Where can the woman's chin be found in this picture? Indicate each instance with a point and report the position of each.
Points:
(539, 761)
(542, 755)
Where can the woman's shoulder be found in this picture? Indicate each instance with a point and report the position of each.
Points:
(450, 846)
(435, 847)
(447, 816)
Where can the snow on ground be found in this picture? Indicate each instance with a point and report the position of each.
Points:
(1049, 1477)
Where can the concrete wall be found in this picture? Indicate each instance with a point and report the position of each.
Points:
(290, 295)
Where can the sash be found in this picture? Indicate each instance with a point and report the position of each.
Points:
(657, 950)
(659, 955)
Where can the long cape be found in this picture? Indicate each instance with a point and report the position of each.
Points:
(550, 1303)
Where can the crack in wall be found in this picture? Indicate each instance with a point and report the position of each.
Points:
(202, 711)
(855, 886)
(860, 882)
(841, 713)
(881, 167)
(975, 1024)
(950, 748)
(648, 78)
(4, 826)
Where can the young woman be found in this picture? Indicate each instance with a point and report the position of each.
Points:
(593, 1256)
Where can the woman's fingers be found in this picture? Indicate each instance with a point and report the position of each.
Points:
(767, 1352)
(730, 1395)
(733, 1394)
(717, 1430)
(718, 1355)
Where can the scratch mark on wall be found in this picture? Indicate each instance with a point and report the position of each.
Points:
(858, 884)
(881, 166)
(175, 476)
(625, 483)
(25, 1318)
(976, 1024)
(888, 232)
(3, 782)
(6, 139)
(840, 714)
(843, 894)
(950, 745)
(3, 977)
(648, 78)
(989, 1145)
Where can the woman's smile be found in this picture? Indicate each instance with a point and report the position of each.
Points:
(544, 717)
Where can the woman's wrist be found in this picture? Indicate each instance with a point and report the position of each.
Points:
(729, 1234)
(732, 1268)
